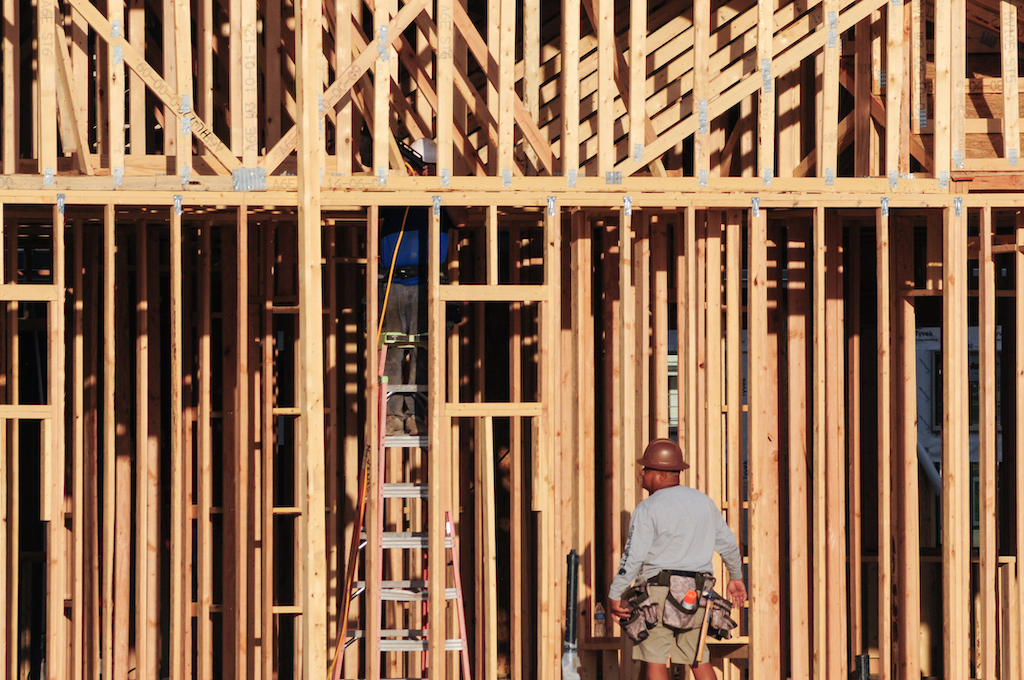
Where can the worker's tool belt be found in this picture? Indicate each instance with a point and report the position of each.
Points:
(404, 272)
(679, 582)
(721, 623)
(644, 614)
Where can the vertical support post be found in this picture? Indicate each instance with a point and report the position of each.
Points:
(627, 377)
(445, 124)
(204, 460)
(11, 65)
(987, 443)
(438, 461)
(78, 607)
(109, 493)
(56, 630)
(1011, 94)
(895, 112)
(958, 74)
(956, 537)
(46, 126)
(763, 467)
(638, 74)
(146, 651)
(798, 290)
(183, 70)
(659, 267)
(309, 88)
(570, 88)
(136, 88)
(116, 90)
(249, 75)
(383, 72)
(734, 369)
(506, 85)
(766, 109)
(605, 86)
(819, 583)
(884, 324)
(829, 122)
(943, 97)
(180, 520)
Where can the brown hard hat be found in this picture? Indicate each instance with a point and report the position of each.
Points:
(663, 454)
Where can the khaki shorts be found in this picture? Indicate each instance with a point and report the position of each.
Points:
(664, 644)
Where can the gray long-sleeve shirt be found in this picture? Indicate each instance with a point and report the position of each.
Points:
(675, 528)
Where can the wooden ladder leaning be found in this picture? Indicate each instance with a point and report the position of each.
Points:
(408, 582)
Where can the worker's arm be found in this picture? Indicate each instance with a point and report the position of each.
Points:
(737, 592)
(641, 535)
(726, 546)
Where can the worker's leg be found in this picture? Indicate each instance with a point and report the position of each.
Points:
(396, 319)
(656, 671)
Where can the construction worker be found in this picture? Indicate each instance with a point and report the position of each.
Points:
(403, 262)
(672, 534)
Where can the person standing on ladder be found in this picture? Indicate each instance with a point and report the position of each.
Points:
(403, 291)
(667, 559)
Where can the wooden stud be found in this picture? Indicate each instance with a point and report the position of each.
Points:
(763, 471)
(46, 125)
(183, 71)
(659, 383)
(955, 448)
(109, 493)
(145, 649)
(204, 460)
(78, 457)
(136, 89)
(943, 94)
(828, 155)
(958, 76)
(799, 288)
(437, 463)
(445, 86)
(895, 112)
(570, 89)
(180, 617)
(1011, 95)
(56, 642)
(638, 75)
(987, 447)
(885, 389)
(506, 28)
(11, 64)
(819, 585)
(605, 86)
(766, 102)
(733, 362)
(120, 503)
(116, 73)
(863, 128)
(908, 557)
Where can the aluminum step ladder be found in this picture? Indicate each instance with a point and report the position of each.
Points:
(406, 587)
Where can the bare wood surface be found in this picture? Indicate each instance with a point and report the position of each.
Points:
(987, 457)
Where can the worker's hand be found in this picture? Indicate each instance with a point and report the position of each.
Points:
(620, 609)
(737, 592)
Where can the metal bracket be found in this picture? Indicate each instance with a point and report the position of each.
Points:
(320, 103)
(893, 178)
(446, 177)
(47, 177)
(186, 125)
(185, 104)
(382, 175)
(60, 203)
(833, 20)
(613, 177)
(249, 179)
(177, 204)
(885, 206)
(830, 176)
(958, 159)
(382, 42)
(1013, 158)
(115, 29)
(551, 206)
(186, 174)
(627, 205)
(881, 79)
(922, 117)
(571, 178)
(943, 179)
(702, 117)
(437, 204)
(702, 178)
(638, 153)
(958, 205)
(766, 75)
(767, 177)
(118, 55)
(755, 206)
(506, 178)
(118, 176)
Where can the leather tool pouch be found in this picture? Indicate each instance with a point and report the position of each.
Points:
(676, 617)
(721, 623)
(644, 615)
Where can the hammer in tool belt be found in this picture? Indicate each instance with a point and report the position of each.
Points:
(702, 640)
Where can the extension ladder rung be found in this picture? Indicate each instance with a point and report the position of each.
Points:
(405, 490)
(405, 591)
